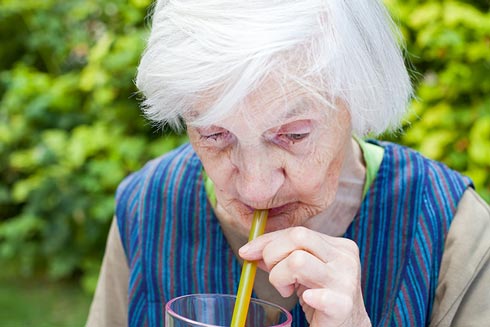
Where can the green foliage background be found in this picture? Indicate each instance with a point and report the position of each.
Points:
(70, 128)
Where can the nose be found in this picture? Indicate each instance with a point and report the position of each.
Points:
(259, 176)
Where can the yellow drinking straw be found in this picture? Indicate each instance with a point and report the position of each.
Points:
(248, 273)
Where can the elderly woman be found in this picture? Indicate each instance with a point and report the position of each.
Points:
(276, 97)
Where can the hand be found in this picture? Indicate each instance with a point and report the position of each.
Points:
(324, 271)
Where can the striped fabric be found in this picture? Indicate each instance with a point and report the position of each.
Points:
(400, 231)
(175, 245)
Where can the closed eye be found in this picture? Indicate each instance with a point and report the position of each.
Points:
(213, 137)
(294, 132)
(296, 137)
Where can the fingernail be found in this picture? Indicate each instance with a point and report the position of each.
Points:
(306, 296)
(244, 249)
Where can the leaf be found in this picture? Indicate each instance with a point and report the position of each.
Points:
(23, 188)
(479, 149)
(425, 14)
(20, 227)
(435, 143)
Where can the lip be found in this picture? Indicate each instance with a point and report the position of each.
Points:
(276, 211)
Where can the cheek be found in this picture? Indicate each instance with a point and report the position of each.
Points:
(317, 177)
(218, 167)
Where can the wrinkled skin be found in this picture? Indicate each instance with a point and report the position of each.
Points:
(295, 157)
(324, 271)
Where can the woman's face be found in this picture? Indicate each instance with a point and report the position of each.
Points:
(279, 153)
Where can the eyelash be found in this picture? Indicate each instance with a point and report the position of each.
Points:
(215, 137)
(286, 139)
(293, 138)
(296, 137)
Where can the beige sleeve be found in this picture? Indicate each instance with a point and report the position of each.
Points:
(463, 291)
(110, 303)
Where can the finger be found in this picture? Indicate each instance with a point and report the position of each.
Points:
(276, 246)
(308, 310)
(302, 270)
(261, 265)
(297, 239)
(324, 247)
(280, 243)
(299, 268)
(252, 251)
(332, 304)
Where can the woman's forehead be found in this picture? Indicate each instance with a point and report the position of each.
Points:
(261, 119)
(273, 104)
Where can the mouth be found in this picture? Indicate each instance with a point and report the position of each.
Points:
(276, 211)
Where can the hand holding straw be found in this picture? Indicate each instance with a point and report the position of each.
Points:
(248, 273)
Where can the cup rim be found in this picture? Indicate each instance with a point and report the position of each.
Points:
(168, 309)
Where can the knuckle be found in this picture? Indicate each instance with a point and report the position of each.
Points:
(299, 235)
(349, 249)
(352, 247)
(297, 260)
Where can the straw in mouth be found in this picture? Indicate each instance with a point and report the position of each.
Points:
(248, 273)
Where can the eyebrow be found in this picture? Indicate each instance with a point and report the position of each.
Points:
(296, 106)
(294, 109)
(299, 108)
(192, 114)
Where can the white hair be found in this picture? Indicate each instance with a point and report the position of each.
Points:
(222, 50)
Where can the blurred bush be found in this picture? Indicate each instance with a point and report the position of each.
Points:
(448, 43)
(70, 128)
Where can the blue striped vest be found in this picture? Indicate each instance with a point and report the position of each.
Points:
(174, 243)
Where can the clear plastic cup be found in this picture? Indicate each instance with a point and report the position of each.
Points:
(214, 310)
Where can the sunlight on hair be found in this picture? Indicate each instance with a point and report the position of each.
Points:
(226, 49)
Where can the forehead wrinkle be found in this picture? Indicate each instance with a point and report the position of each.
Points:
(271, 96)
(275, 103)
(261, 121)
(281, 106)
